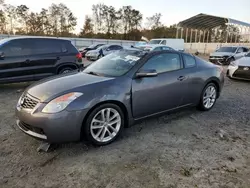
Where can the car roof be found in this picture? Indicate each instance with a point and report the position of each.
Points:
(33, 37)
(235, 46)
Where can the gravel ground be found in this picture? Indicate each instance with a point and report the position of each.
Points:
(184, 149)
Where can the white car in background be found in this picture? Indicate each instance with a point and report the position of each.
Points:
(240, 69)
(102, 51)
(155, 47)
(176, 44)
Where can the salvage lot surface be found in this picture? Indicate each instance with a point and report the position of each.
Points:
(184, 149)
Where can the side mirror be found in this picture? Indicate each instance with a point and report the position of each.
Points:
(108, 49)
(2, 55)
(146, 73)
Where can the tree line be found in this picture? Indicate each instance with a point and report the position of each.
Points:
(125, 23)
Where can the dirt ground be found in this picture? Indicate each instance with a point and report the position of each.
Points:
(185, 149)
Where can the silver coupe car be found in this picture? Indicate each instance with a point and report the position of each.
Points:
(115, 92)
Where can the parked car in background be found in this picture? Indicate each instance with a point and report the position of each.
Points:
(114, 92)
(226, 54)
(156, 47)
(240, 69)
(102, 51)
(91, 47)
(140, 43)
(177, 44)
(34, 58)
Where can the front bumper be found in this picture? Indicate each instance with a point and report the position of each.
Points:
(92, 57)
(60, 127)
(238, 72)
(218, 59)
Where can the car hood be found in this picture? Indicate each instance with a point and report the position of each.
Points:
(93, 51)
(49, 88)
(244, 61)
(221, 54)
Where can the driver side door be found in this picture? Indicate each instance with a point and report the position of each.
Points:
(152, 95)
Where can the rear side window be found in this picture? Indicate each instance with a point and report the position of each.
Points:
(189, 61)
(44, 46)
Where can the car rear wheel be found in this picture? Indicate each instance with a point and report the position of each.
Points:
(208, 97)
(104, 124)
(65, 70)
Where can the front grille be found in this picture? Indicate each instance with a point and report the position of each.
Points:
(27, 127)
(242, 72)
(28, 102)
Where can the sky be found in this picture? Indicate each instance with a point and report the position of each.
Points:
(172, 11)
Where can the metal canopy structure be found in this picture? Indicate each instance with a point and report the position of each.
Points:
(205, 23)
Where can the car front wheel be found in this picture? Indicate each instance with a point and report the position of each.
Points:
(104, 124)
(208, 97)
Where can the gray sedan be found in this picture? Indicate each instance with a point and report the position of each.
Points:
(115, 92)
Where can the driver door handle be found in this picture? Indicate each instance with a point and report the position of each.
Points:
(181, 78)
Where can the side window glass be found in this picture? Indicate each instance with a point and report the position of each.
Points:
(163, 42)
(165, 48)
(158, 49)
(245, 50)
(240, 50)
(189, 61)
(17, 48)
(43, 46)
(164, 62)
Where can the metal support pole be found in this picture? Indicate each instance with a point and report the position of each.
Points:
(200, 36)
(226, 36)
(186, 35)
(177, 32)
(191, 35)
(204, 35)
(208, 36)
(196, 32)
(249, 34)
(181, 32)
(236, 36)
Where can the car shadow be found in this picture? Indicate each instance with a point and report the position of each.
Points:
(129, 134)
(14, 86)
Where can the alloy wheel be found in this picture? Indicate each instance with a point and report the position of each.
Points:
(105, 125)
(209, 97)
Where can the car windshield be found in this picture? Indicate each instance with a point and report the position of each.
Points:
(155, 42)
(115, 64)
(103, 47)
(3, 41)
(248, 55)
(227, 49)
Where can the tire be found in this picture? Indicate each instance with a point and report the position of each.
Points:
(65, 70)
(95, 126)
(205, 106)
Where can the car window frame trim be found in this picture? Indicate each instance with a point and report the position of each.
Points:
(157, 53)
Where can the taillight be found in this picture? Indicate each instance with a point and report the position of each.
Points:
(79, 56)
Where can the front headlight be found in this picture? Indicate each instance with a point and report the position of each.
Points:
(60, 103)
